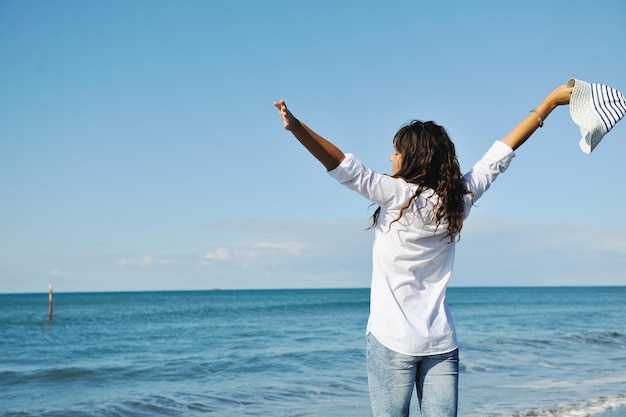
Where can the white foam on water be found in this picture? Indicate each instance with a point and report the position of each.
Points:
(591, 407)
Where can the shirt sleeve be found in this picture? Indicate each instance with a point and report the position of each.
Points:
(393, 192)
(495, 161)
(379, 188)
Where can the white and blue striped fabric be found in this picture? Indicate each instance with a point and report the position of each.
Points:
(596, 109)
(609, 103)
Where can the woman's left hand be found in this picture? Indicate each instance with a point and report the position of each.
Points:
(561, 95)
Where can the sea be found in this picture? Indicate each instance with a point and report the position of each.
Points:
(524, 352)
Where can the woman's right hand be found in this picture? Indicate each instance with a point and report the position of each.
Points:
(288, 120)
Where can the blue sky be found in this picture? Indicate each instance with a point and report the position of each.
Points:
(139, 148)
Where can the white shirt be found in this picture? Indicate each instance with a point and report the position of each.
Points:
(411, 263)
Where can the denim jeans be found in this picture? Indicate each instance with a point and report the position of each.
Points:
(392, 376)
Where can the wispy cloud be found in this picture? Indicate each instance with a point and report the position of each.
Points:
(217, 254)
(288, 254)
(293, 247)
(493, 251)
(499, 251)
(145, 261)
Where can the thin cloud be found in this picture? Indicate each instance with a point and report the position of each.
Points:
(293, 247)
(504, 252)
(144, 262)
(219, 254)
(493, 251)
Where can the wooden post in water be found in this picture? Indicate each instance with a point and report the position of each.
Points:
(50, 302)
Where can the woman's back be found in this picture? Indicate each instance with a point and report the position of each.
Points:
(412, 257)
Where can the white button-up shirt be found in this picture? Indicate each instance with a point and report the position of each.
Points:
(412, 261)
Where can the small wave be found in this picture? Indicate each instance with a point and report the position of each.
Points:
(472, 367)
(54, 375)
(608, 338)
(586, 408)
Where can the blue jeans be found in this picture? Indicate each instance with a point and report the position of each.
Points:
(392, 376)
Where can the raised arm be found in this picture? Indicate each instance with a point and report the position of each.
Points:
(519, 135)
(328, 154)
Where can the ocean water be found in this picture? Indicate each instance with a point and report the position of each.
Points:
(279, 353)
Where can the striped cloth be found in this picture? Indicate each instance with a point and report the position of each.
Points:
(596, 109)
(609, 103)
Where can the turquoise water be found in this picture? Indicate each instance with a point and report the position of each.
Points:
(524, 351)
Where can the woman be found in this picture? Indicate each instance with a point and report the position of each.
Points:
(411, 340)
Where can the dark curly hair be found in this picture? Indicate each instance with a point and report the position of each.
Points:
(428, 159)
